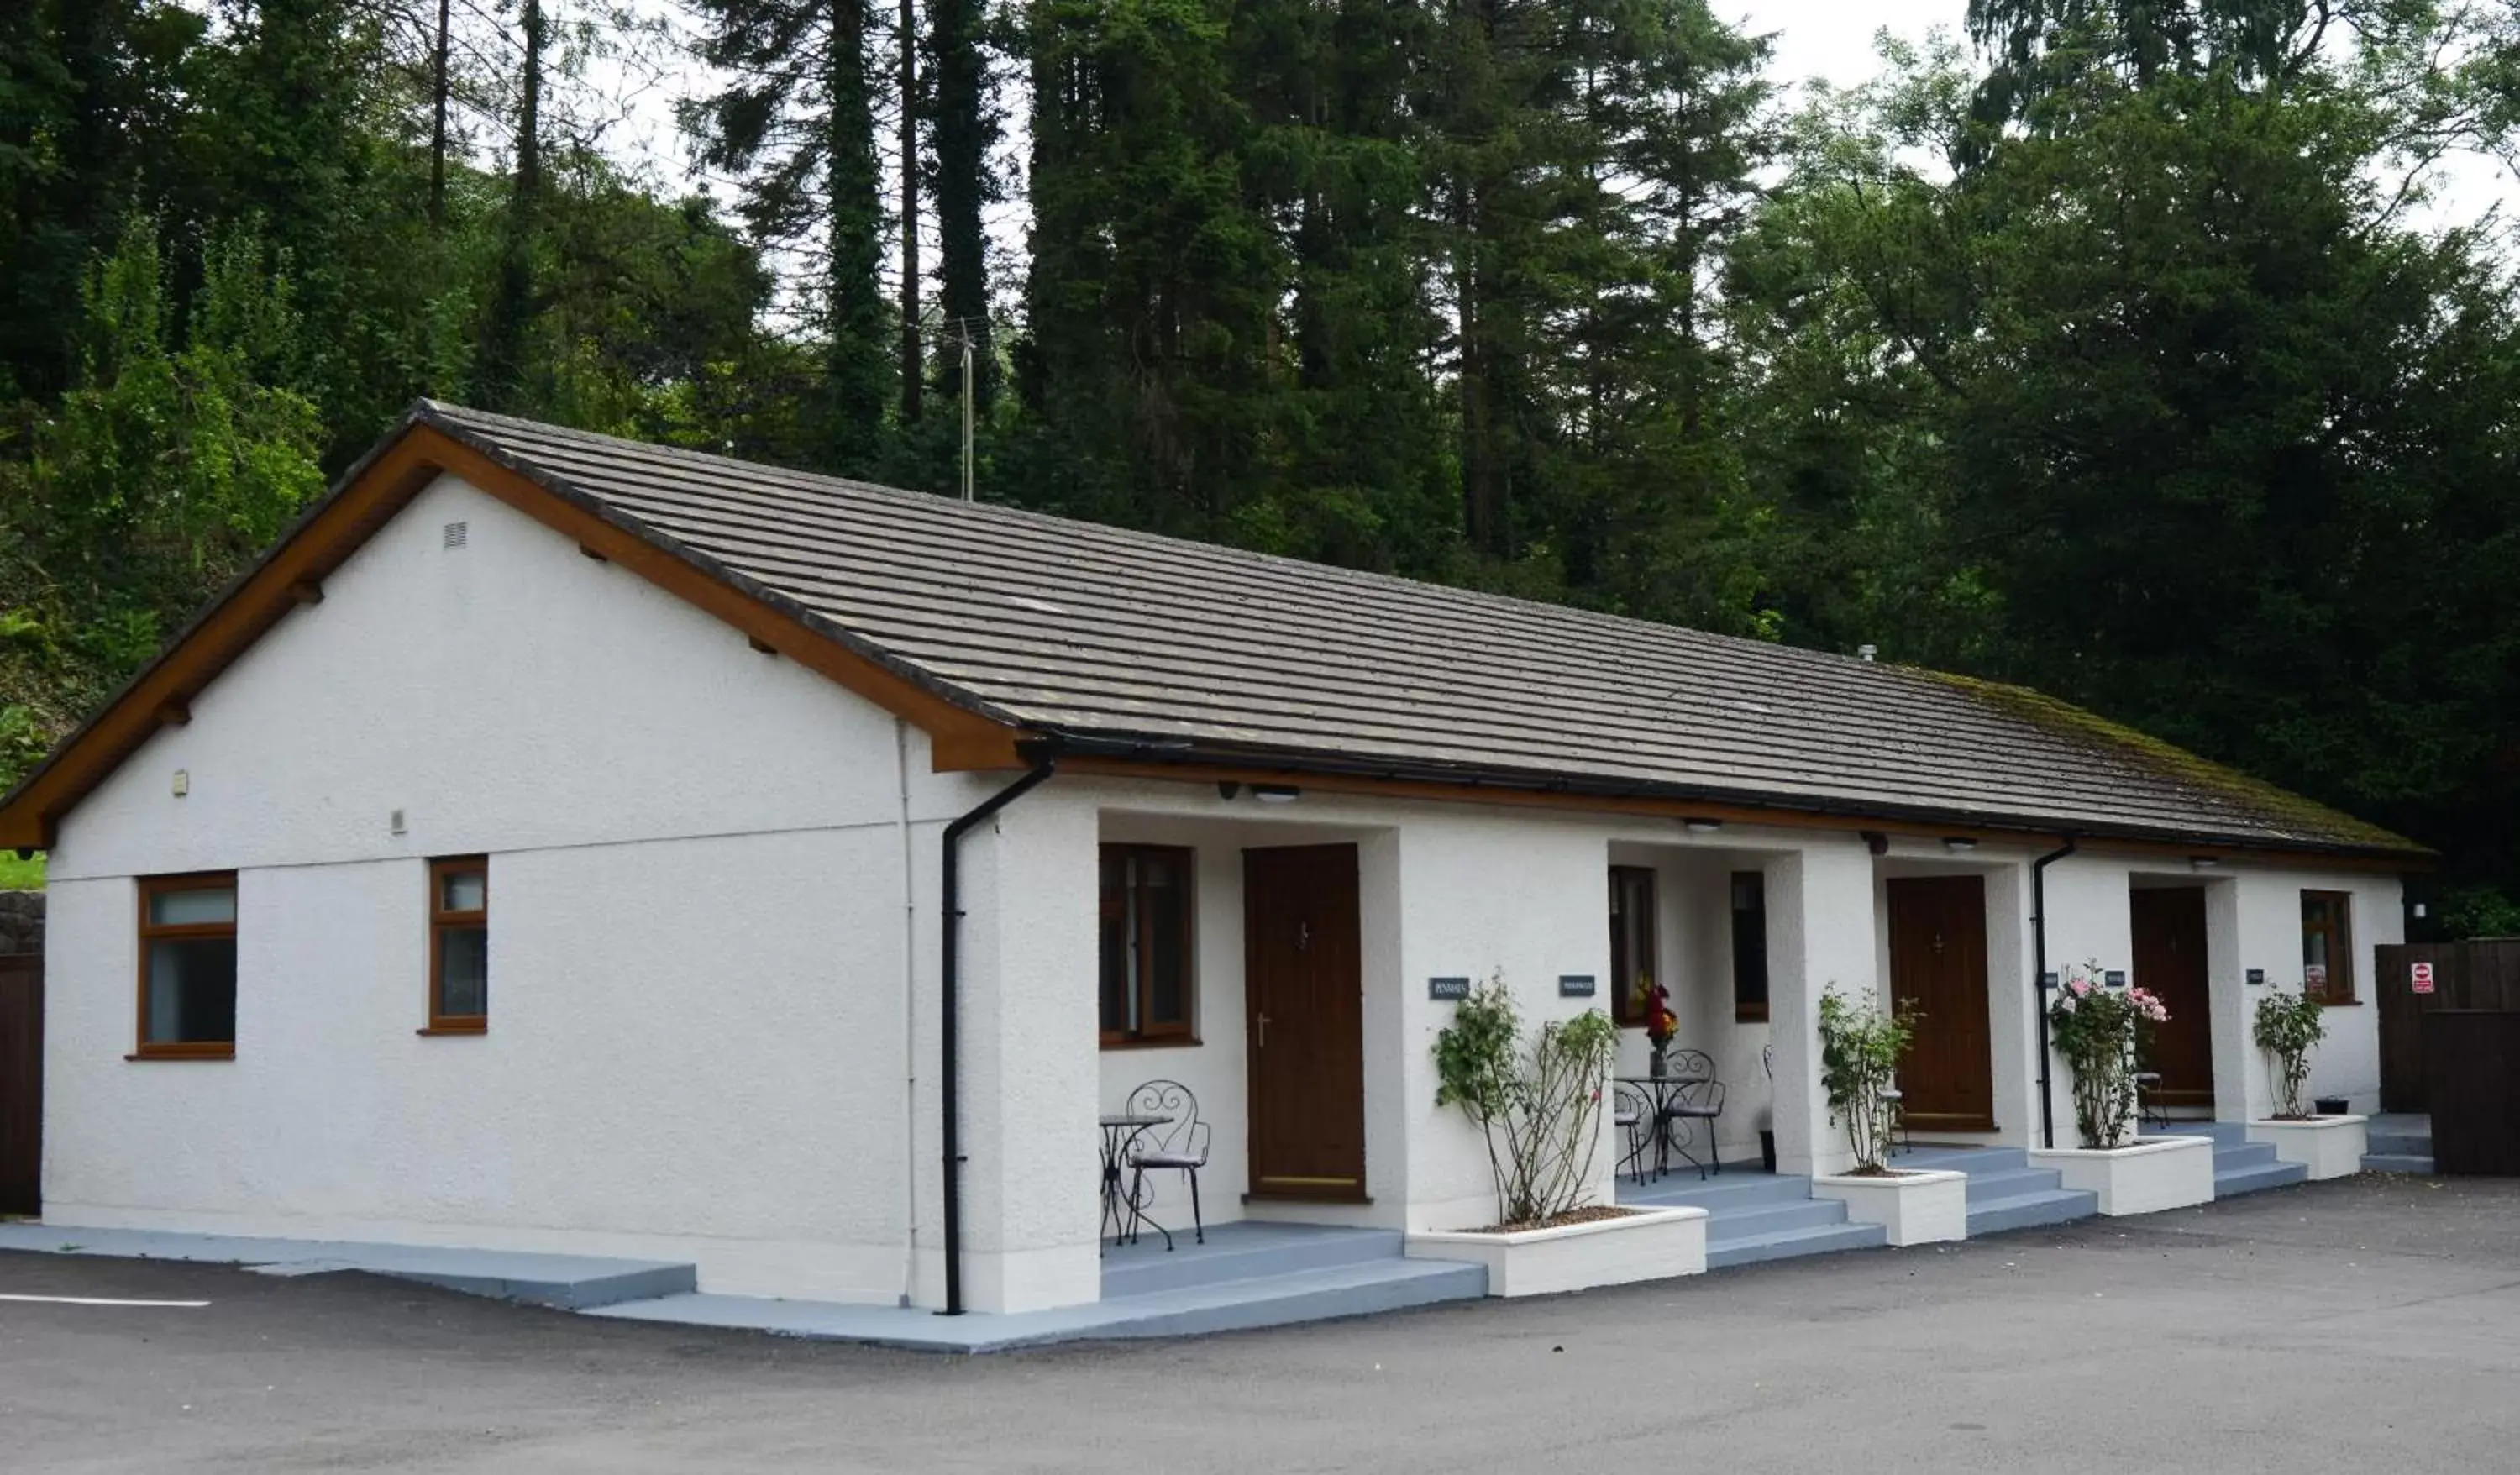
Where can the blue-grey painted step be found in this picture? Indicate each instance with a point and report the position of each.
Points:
(2029, 1208)
(1774, 1219)
(1244, 1251)
(2009, 1182)
(572, 1282)
(2399, 1145)
(1818, 1239)
(2230, 1182)
(2398, 1162)
(1716, 1194)
(1345, 1290)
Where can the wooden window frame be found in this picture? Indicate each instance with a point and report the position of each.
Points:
(150, 888)
(1748, 1011)
(2340, 949)
(1149, 1035)
(442, 921)
(1628, 1012)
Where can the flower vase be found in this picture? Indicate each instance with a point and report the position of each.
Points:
(1658, 1066)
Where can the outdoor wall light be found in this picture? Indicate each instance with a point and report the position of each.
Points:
(1960, 844)
(1226, 788)
(1703, 827)
(2203, 862)
(1276, 794)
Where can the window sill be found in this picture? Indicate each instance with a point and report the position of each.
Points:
(2340, 1003)
(183, 1053)
(1750, 1016)
(1158, 1042)
(456, 1027)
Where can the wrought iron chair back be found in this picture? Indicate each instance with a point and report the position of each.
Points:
(1183, 1136)
(1688, 1065)
(1633, 1115)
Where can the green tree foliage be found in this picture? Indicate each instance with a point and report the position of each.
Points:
(797, 125)
(2109, 355)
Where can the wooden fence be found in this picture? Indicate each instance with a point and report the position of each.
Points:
(21, 1082)
(2466, 975)
(2472, 1070)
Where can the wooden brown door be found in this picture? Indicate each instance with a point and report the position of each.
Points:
(1304, 988)
(2169, 960)
(21, 1083)
(1938, 963)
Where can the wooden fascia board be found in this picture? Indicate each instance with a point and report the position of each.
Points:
(291, 577)
(1662, 808)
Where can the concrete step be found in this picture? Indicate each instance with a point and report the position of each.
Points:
(1242, 1251)
(2400, 1143)
(1716, 1194)
(1819, 1239)
(2242, 1155)
(2398, 1162)
(1345, 1290)
(2029, 1208)
(1961, 1160)
(1774, 1219)
(2230, 1182)
(570, 1282)
(2009, 1183)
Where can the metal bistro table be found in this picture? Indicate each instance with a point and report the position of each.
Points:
(1119, 1129)
(1665, 1090)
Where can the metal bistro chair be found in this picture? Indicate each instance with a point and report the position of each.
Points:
(2147, 1096)
(1693, 1095)
(1897, 1100)
(1179, 1144)
(1633, 1115)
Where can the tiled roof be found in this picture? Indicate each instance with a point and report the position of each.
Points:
(1180, 649)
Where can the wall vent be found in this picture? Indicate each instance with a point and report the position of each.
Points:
(456, 533)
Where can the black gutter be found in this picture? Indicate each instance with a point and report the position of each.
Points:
(1045, 762)
(2039, 983)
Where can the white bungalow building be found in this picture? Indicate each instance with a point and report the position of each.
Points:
(552, 845)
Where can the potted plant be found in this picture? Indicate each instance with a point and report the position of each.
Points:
(2099, 1029)
(2330, 1143)
(1536, 1098)
(1859, 1049)
(2288, 1027)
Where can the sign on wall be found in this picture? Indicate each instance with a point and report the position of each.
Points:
(1575, 985)
(1448, 988)
(2257, 978)
(2313, 978)
(2114, 978)
(2421, 973)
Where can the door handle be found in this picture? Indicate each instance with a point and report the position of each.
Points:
(1263, 1021)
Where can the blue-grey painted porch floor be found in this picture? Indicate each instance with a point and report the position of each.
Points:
(1246, 1275)
(1753, 1216)
(572, 1282)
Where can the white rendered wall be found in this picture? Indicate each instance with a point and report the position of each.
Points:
(701, 938)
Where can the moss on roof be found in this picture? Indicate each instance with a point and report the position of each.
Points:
(2264, 802)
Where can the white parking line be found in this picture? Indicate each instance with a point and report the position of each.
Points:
(103, 1301)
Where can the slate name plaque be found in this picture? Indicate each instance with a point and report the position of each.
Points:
(2047, 980)
(2257, 978)
(2115, 979)
(1575, 985)
(1448, 988)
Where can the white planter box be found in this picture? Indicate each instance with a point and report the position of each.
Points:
(1917, 1208)
(2330, 1146)
(1648, 1244)
(2159, 1172)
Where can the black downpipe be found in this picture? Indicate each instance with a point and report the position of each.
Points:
(1043, 764)
(2039, 983)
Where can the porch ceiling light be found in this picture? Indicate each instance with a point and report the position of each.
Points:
(1703, 827)
(2203, 862)
(1276, 794)
(1960, 844)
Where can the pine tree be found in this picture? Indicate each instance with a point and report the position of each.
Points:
(799, 127)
